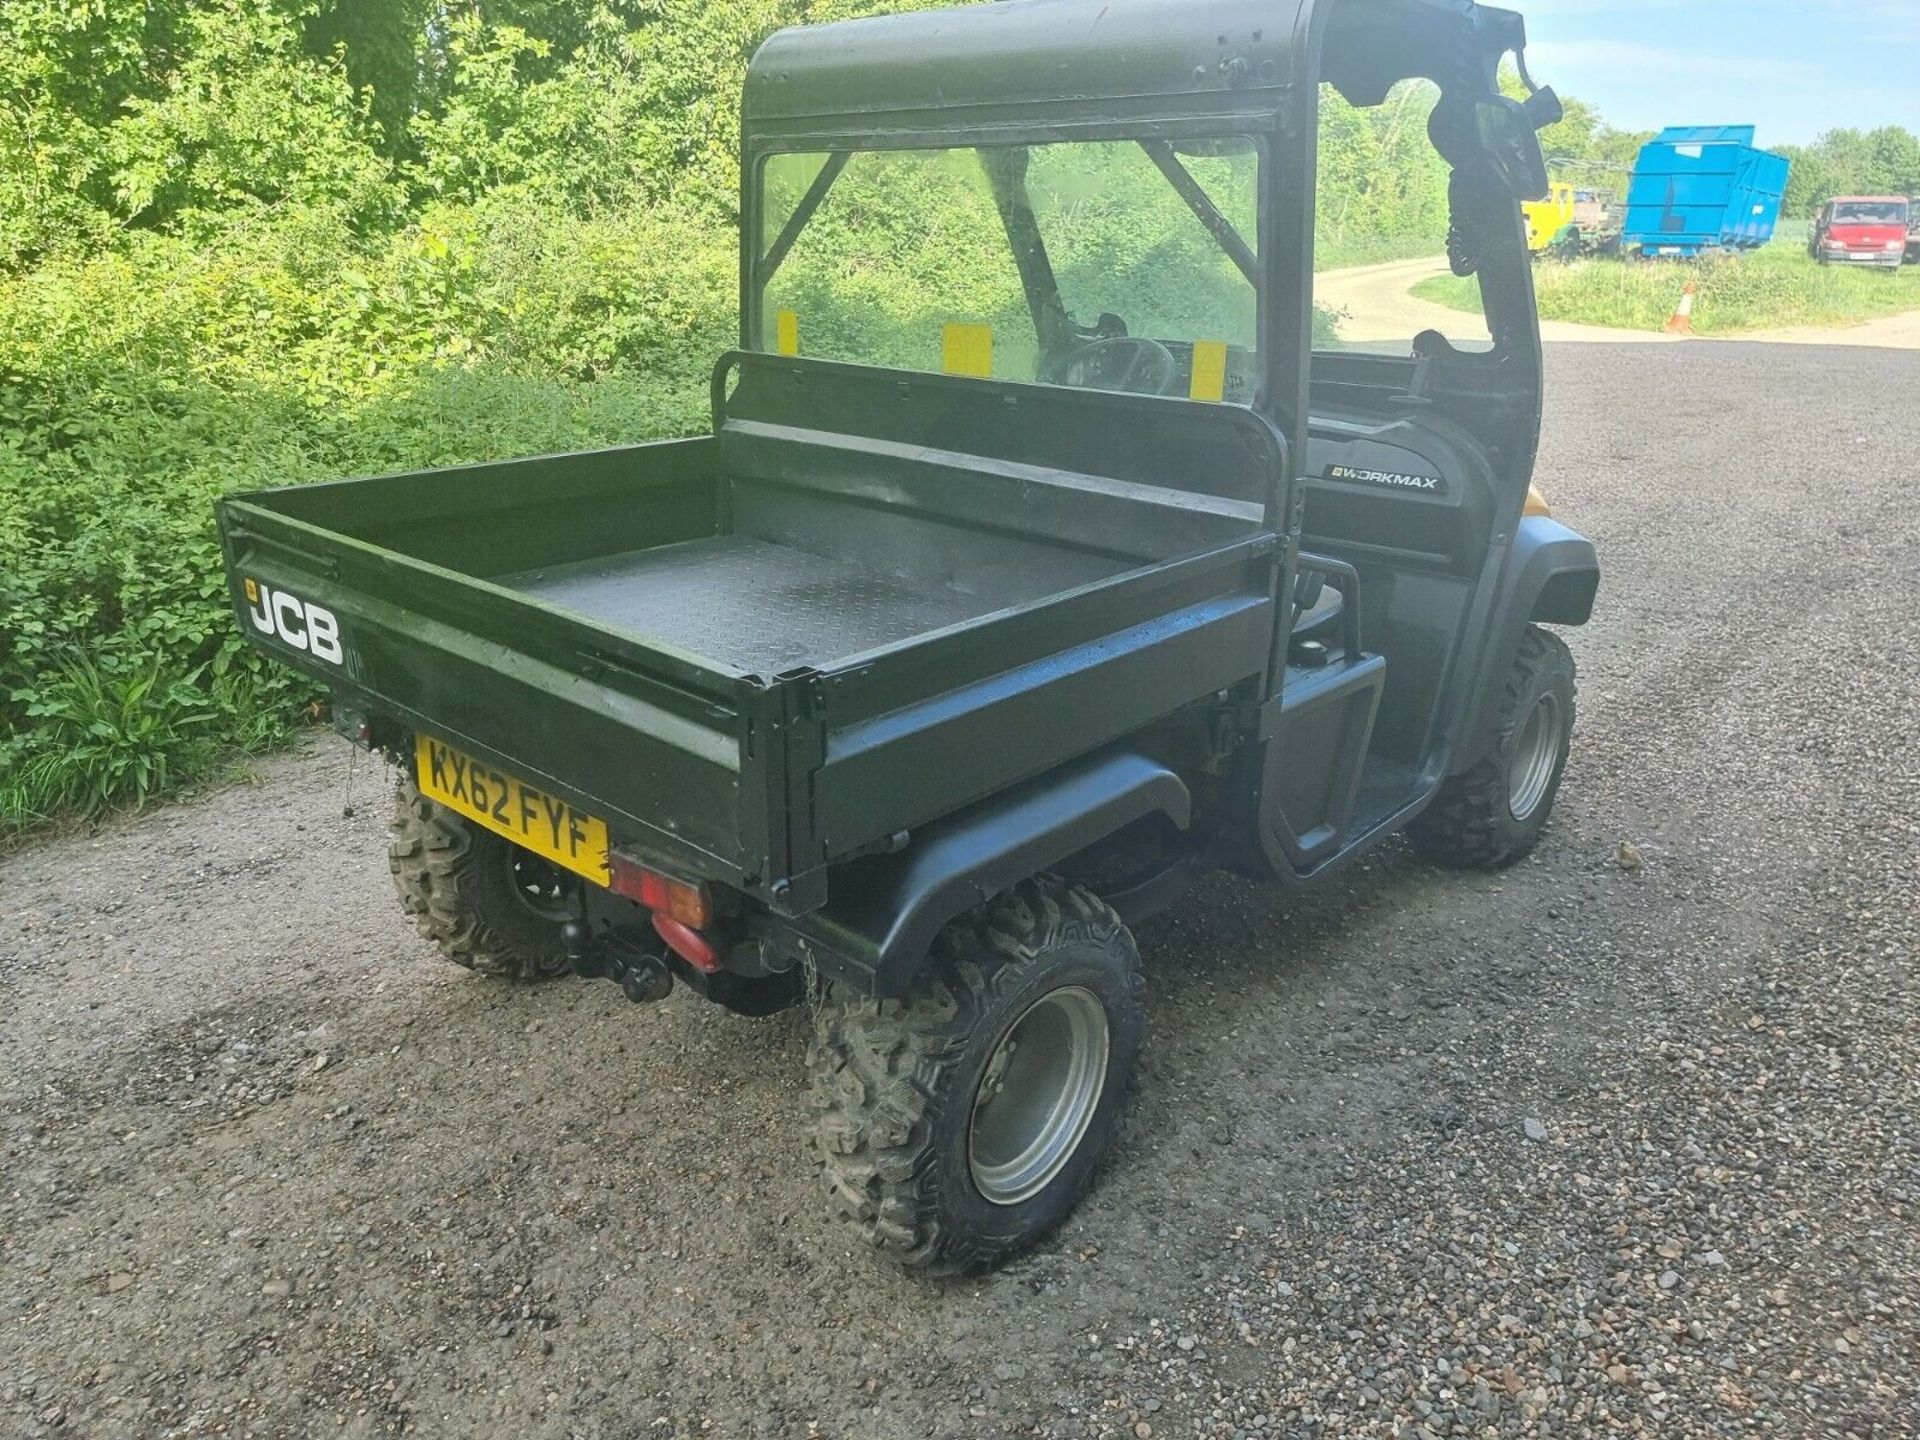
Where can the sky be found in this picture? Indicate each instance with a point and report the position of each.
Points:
(1795, 68)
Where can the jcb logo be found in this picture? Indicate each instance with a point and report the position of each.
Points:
(303, 626)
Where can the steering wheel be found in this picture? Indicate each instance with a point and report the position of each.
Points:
(1129, 364)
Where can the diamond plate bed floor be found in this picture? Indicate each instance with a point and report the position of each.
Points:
(748, 604)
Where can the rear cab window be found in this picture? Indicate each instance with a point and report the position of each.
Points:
(1121, 265)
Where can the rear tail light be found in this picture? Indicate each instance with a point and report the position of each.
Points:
(686, 902)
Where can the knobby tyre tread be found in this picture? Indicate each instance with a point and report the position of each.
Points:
(454, 881)
(890, 1078)
(1470, 826)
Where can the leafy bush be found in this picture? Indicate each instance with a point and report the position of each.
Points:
(249, 120)
(138, 386)
(1382, 188)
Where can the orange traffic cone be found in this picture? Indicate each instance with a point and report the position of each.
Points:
(1682, 321)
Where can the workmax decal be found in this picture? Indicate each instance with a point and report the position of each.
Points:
(291, 619)
(1388, 479)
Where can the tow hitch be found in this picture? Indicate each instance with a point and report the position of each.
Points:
(633, 959)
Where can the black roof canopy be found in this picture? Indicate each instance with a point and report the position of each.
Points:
(1021, 61)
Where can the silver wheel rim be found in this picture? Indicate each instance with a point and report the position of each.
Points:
(1535, 755)
(1037, 1095)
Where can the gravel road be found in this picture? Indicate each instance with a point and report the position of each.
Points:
(1620, 1142)
(1378, 309)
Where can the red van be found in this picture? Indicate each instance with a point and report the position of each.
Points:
(1862, 230)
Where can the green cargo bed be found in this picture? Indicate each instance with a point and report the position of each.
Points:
(759, 652)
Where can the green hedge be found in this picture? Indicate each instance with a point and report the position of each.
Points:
(138, 386)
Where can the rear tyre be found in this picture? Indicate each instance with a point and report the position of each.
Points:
(490, 906)
(957, 1127)
(1494, 814)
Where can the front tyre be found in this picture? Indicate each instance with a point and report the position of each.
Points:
(490, 906)
(957, 1127)
(1494, 814)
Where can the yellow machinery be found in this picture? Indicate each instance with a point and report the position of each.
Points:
(1547, 219)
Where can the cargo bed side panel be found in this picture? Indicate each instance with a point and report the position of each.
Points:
(915, 733)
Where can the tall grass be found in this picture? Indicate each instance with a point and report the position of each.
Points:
(1774, 288)
(110, 737)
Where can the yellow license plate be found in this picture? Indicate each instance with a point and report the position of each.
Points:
(509, 806)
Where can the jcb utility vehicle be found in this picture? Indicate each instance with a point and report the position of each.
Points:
(1035, 564)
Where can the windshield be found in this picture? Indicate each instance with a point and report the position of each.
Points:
(1115, 265)
(1870, 212)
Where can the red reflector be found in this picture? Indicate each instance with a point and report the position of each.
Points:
(687, 944)
(627, 878)
(681, 900)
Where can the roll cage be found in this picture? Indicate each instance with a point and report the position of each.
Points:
(1161, 72)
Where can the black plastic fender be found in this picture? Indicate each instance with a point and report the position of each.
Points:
(1556, 576)
(877, 929)
(1553, 579)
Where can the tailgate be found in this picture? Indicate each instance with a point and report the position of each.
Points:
(646, 738)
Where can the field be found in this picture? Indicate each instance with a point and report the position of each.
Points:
(1773, 288)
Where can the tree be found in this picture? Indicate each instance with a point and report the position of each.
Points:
(385, 47)
(1895, 158)
(247, 119)
(1885, 161)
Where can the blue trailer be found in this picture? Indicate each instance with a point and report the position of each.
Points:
(1698, 188)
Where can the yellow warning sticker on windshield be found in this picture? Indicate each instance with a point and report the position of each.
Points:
(1209, 371)
(967, 350)
(786, 332)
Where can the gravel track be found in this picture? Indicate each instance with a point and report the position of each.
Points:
(1378, 308)
(1620, 1142)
